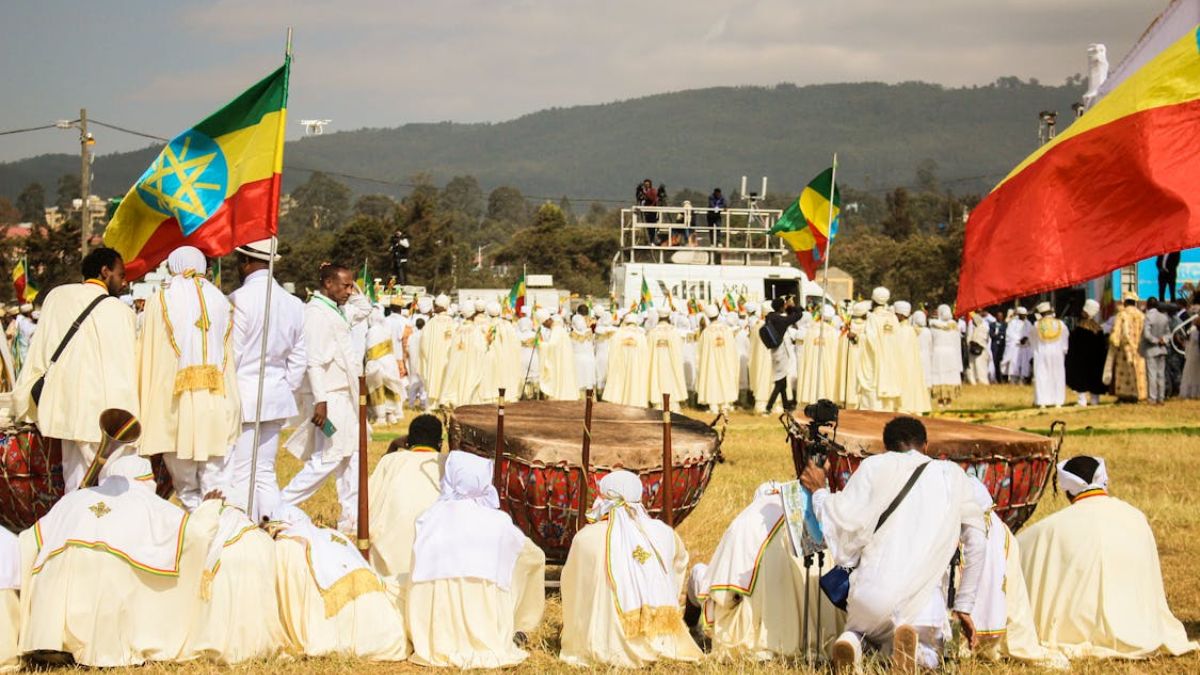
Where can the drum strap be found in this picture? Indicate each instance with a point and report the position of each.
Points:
(36, 392)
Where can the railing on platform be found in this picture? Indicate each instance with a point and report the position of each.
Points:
(682, 234)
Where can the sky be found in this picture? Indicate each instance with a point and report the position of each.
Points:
(161, 66)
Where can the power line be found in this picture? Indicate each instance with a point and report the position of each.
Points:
(21, 131)
(129, 131)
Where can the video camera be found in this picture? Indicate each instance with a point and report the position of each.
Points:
(816, 440)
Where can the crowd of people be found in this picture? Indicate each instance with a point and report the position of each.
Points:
(115, 575)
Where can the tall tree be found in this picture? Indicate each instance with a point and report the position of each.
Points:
(433, 252)
(381, 207)
(899, 223)
(67, 193)
(9, 214)
(462, 194)
(507, 204)
(321, 203)
(32, 204)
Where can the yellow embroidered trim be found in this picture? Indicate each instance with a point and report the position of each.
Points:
(97, 282)
(170, 328)
(200, 378)
(1049, 329)
(348, 589)
(380, 350)
(381, 395)
(651, 621)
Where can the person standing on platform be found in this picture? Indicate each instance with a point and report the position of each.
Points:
(1168, 268)
(96, 370)
(1128, 374)
(326, 435)
(191, 413)
(283, 373)
(1049, 355)
(1086, 349)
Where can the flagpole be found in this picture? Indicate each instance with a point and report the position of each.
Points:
(266, 326)
(825, 274)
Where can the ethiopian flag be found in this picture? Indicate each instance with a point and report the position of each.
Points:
(808, 224)
(1121, 184)
(516, 296)
(23, 288)
(366, 284)
(214, 186)
(646, 301)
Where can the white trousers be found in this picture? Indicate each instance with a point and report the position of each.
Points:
(76, 457)
(194, 479)
(238, 464)
(306, 483)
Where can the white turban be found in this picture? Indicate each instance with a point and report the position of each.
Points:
(881, 295)
(903, 308)
(579, 324)
(827, 312)
(1073, 484)
(1044, 308)
(468, 476)
(652, 316)
(619, 488)
(860, 309)
(135, 469)
(712, 311)
(187, 258)
(630, 318)
(425, 304)
(442, 301)
(919, 319)
(1091, 308)
(752, 307)
(542, 315)
(493, 308)
(468, 310)
(480, 306)
(945, 313)
(1021, 311)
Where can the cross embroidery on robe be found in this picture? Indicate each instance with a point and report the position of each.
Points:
(641, 555)
(100, 509)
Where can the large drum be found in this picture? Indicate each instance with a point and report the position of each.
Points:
(540, 471)
(1014, 465)
(31, 479)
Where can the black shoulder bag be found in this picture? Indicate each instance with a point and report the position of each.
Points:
(36, 392)
(836, 582)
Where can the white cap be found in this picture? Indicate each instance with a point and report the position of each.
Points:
(881, 295)
(467, 309)
(919, 318)
(442, 301)
(425, 304)
(945, 313)
(630, 318)
(259, 250)
(480, 306)
(452, 310)
(493, 308)
(1044, 308)
(542, 315)
(1074, 484)
(1021, 311)
(903, 308)
(27, 308)
(1091, 308)
(652, 316)
(860, 309)
(578, 323)
(712, 311)
(827, 312)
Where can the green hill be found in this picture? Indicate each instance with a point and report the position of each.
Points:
(699, 139)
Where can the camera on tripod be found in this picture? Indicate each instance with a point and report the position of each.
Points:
(815, 440)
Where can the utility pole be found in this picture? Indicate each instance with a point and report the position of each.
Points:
(85, 183)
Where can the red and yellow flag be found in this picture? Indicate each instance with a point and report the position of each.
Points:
(1119, 185)
(214, 186)
(23, 288)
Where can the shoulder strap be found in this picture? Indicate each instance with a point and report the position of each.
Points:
(903, 493)
(75, 328)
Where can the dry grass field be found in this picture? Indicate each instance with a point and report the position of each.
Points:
(1152, 456)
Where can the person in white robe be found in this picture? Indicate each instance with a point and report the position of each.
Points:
(946, 360)
(1015, 364)
(666, 363)
(23, 334)
(96, 371)
(404, 483)
(8, 368)
(879, 369)
(898, 596)
(818, 364)
(622, 584)
(1095, 583)
(979, 350)
(476, 579)
(920, 324)
(717, 373)
(604, 331)
(10, 602)
(556, 358)
(688, 326)
(417, 398)
(330, 600)
(850, 355)
(325, 435)
(385, 386)
(583, 347)
(529, 337)
(761, 366)
(436, 339)
(741, 337)
(914, 393)
(283, 373)
(1050, 337)
(187, 381)
(751, 593)
(111, 574)
(628, 381)
(464, 370)
(1002, 616)
(503, 358)
(791, 355)
(236, 617)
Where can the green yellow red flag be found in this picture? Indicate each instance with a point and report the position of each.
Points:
(214, 186)
(24, 289)
(516, 296)
(808, 224)
(646, 301)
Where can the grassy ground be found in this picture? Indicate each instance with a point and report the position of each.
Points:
(1150, 451)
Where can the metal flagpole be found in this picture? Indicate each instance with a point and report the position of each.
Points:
(262, 353)
(825, 274)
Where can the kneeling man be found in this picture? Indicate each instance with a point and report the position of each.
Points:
(1094, 579)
